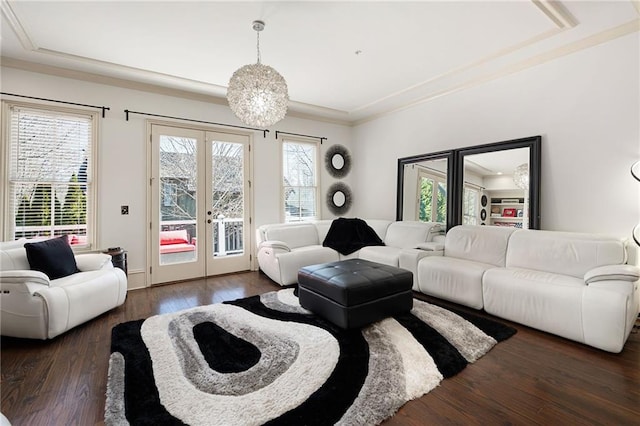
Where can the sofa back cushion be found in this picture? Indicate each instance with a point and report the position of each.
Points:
(14, 259)
(323, 227)
(484, 244)
(407, 234)
(568, 253)
(380, 226)
(294, 234)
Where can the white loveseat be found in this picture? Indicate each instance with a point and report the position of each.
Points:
(33, 306)
(570, 284)
(284, 248)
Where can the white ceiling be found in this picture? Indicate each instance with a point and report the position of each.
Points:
(410, 52)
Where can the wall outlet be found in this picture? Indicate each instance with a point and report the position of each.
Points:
(124, 209)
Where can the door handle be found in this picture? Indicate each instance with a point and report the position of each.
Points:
(209, 212)
(208, 220)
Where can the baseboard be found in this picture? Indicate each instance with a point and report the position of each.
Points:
(136, 280)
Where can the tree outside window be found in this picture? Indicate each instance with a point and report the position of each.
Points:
(432, 209)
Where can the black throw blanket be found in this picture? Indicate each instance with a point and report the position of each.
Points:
(349, 235)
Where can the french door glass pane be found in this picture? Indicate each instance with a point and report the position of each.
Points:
(227, 159)
(178, 186)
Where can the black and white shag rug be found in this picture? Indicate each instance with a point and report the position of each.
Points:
(266, 360)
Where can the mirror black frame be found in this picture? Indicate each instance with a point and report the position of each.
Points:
(455, 176)
(533, 143)
(402, 162)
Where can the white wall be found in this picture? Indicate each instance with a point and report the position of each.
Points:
(586, 107)
(122, 155)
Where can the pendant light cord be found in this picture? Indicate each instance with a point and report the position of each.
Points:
(258, 44)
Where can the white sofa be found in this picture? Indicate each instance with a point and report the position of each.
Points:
(284, 248)
(32, 306)
(570, 284)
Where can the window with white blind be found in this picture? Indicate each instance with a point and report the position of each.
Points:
(50, 173)
(299, 180)
(470, 200)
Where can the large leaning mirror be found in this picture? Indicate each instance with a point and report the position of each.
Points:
(423, 187)
(505, 177)
(495, 184)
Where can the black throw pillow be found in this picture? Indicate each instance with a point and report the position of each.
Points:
(54, 257)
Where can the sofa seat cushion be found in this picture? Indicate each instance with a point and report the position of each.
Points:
(381, 254)
(453, 279)
(546, 301)
(176, 248)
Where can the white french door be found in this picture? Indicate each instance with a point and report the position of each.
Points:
(200, 203)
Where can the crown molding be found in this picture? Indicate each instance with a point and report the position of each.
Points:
(585, 43)
(557, 13)
(296, 109)
(17, 27)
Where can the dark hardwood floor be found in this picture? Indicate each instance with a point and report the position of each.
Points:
(532, 378)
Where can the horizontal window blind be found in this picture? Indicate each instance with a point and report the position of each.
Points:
(50, 174)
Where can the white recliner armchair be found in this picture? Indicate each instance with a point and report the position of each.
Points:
(33, 306)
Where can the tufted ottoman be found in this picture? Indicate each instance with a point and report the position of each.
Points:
(355, 292)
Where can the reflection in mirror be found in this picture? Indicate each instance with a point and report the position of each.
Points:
(337, 161)
(513, 197)
(423, 188)
(518, 159)
(496, 176)
(339, 199)
(425, 191)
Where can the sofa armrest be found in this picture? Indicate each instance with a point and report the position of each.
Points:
(93, 261)
(430, 246)
(277, 246)
(628, 273)
(24, 276)
(408, 259)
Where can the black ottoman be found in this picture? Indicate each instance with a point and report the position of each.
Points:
(353, 293)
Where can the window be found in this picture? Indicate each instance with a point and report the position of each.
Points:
(49, 166)
(430, 208)
(299, 180)
(470, 199)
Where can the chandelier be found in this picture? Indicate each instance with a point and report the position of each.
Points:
(257, 93)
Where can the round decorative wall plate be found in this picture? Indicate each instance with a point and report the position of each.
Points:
(337, 160)
(339, 198)
(635, 170)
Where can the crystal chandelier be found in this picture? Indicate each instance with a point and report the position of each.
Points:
(257, 93)
(521, 176)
